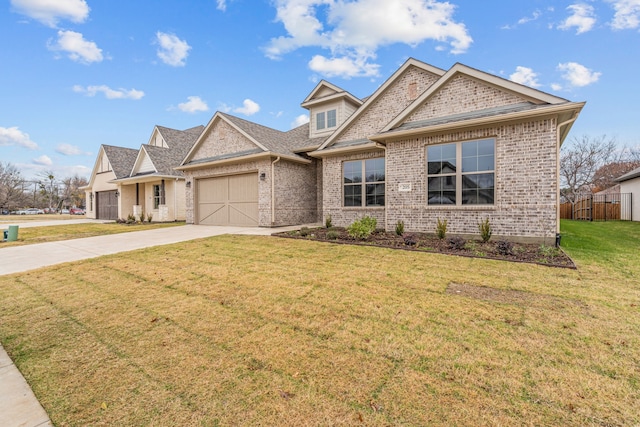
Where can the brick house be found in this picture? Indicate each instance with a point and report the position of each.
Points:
(461, 145)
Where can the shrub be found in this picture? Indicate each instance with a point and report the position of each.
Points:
(149, 217)
(304, 231)
(332, 235)
(456, 243)
(504, 247)
(362, 228)
(441, 228)
(131, 219)
(142, 216)
(485, 230)
(327, 221)
(400, 227)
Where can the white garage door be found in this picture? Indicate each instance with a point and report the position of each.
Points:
(228, 200)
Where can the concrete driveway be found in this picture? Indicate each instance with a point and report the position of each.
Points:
(18, 259)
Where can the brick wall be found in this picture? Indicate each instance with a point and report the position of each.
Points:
(525, 183)
(222, 138)
(295, 193)
(460, 95)
(389, 104)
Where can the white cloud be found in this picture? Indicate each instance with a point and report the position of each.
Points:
(343, 67)
(583, 18)
(78, 49)
(110, 93)
(557, 87)
(300, 120)
(248, 108)
(70, 150)
(43, 160)
(627, 14)
(50, 12)
(194, 104)
(14, 136)
(534, 17)
(525, 76)
(221, 5)
(353, 31)
(172, 51)
(578, 75)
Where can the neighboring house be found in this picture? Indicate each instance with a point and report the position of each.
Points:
(133, 182)
(630, 183)
(460, 145)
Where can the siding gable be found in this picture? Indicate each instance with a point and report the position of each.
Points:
(389, 104)
(144, 164)
(222, 138)
(463, 94)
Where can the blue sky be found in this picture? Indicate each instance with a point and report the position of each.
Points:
(75, 74)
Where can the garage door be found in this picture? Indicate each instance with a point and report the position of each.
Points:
(106, 205)
(228, 200)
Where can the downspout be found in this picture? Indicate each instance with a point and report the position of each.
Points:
(175, 200)
(273, 191)
(559, 128)
(384, 147)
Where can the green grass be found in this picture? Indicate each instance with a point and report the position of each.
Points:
(245, 330)
(54, 233)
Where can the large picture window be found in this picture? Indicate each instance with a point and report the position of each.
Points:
(461, 173)
(364, 182)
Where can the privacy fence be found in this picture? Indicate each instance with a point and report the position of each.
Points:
(599, 207)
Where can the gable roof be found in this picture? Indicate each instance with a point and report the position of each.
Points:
(382, 89)
(337, 93)
(533, 96)
(629, 175)
(121, 159)
(267, 141)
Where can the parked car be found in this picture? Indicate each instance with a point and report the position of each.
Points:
(64, 211)
(76, 211)
(30, 211)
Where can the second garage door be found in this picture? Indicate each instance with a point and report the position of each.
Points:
(228, 200)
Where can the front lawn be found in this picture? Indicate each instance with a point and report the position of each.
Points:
(245, 330)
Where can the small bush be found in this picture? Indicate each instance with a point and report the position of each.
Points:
(131, 219)
(149, 217)
(332, 235)
(456, 243)
(411, 240)
(142, 216)
(327, 221)
(504, 247)
(362, 228)
(485, 230)
(304, 231)
(400, 227)
(441, 228)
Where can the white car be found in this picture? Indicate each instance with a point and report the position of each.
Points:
(30, 211)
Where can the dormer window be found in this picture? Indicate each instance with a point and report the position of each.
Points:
(326, 120)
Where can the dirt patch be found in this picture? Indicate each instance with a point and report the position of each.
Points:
(499, 250)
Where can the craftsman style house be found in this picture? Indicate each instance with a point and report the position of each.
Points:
(127, 182)
(428, 144)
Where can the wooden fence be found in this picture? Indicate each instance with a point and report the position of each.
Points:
(599, 207)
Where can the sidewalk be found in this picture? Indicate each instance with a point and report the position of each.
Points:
(18, 405)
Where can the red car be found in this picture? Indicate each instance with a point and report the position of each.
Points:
(76, 211)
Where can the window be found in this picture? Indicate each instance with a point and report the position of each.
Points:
(326, 119)
(461, 173)
(364, 182)
(158, 195)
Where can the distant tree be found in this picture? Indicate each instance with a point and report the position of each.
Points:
(605, 175)
(71, 193)
(579, 161)
(11, 187)
(49, 188)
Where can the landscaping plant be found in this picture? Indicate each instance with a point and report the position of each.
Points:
(400, 227)
(441, 228)
(485, 230)
(362, 228)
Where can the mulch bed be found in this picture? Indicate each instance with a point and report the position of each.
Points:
(493, 249)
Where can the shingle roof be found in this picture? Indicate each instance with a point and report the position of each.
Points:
(179, 142)
(121, 159)
(274, 140)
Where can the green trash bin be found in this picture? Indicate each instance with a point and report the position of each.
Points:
(12, 233)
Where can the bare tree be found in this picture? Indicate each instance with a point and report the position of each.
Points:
(71, 192)
(579, 161)
(49, 188)
(11, 187)
(605, 176)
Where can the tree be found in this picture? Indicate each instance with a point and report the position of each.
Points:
(71, 192)
(579, 161)
(49, 189)
(605, 175)
(11, 187)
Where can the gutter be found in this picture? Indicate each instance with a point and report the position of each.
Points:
(273, 191)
